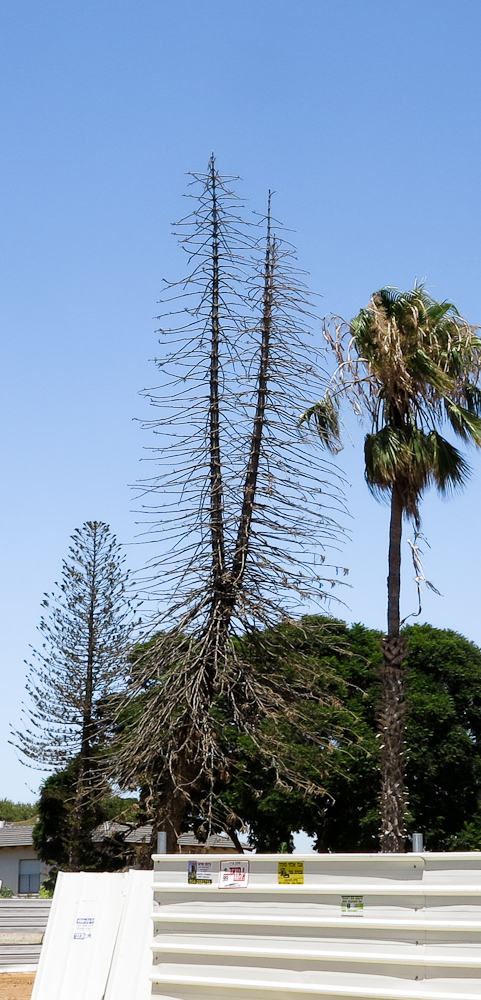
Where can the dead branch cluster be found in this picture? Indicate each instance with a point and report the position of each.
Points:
(242, 511)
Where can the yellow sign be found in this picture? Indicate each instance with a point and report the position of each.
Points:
(290, 872)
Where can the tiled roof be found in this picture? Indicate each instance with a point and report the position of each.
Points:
(16, 836)
(214, 841)
(141, 834)
(21, 836)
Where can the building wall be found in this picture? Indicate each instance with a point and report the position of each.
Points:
(9, 865)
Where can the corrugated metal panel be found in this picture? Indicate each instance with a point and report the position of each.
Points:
(19, 918)
(98, 940)
(80, 937)
(129, 977)
(24, 914)
(365, 926)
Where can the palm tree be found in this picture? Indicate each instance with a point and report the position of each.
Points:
(411, 366)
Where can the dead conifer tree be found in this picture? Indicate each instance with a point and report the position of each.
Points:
(243, 513)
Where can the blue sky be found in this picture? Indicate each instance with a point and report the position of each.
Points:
(364, 118)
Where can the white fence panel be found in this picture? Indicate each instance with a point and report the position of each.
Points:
(129, 977)
(80, 937)
(365, 926)
(98, 940)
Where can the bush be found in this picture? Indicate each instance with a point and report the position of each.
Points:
(46, 890)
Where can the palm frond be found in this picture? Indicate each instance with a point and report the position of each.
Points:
(450, 470)
(386, 457)
(437, 311)
(365, 333)
(408, 362)
(393, 296)
(465, 423)
(424, 369)
(325, 416)
(472, 397)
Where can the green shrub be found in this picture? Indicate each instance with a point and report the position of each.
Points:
(45, 891)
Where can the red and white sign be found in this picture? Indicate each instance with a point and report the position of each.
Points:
(233, 874)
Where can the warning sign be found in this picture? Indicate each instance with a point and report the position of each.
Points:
(352, 906)
(233, 874)
(199, 873)
(290, 873)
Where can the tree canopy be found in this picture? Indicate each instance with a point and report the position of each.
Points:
(443, 740)
(56, 808)
(443, 735)
(17, 812)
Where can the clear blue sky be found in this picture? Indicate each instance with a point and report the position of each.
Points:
(364, 117)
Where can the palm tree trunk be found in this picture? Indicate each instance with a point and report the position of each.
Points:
(392, 720)
(394, 563)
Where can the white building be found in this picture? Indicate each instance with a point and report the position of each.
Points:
(20, 869)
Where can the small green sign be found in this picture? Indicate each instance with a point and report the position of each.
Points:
(352, 906)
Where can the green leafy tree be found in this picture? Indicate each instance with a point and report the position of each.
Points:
(52, 833)
(17, 812)
(314, 737)
(443, 739)
(343, 818)
(409, 364)
(443, 771)
(87, 633)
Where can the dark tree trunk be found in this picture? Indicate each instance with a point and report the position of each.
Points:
(250, 485)
(217, 624)
(392, 719)
(174, 818)
(174, 798)
(394, 563)
(227, 581)
(81, 826)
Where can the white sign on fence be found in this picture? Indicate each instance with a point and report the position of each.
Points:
(233, 874)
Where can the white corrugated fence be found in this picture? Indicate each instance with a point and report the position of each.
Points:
(365, 926)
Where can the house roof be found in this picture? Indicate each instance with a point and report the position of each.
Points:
(16, 836)
(214, 841)
(142, 835)
(21, 836)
